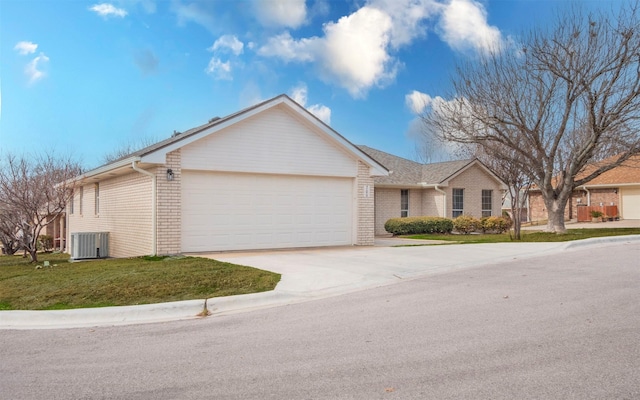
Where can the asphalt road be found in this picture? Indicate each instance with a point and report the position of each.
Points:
(565, 326)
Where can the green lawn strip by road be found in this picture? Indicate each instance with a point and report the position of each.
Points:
(119, 282)
(532, 236)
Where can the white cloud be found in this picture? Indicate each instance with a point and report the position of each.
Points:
(352, 53)
(33, 69)
(418, 101)
(229, 42)
(357, 51)
(193, 12)
(464, 26)
(299, 95)
(322, 112)
(407, 18)
(108, 10)
(287, 48)
(25, 48)
(281, 13)
(218, 69)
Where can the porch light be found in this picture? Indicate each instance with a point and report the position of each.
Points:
(169, 174)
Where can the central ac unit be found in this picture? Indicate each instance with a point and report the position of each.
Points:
(89, 245)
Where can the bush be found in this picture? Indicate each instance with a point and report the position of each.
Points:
(466, 224)
(45, 242)
(418, 225)
(495, 224)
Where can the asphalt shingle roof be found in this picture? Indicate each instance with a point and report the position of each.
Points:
(407, 172)
(628, 172)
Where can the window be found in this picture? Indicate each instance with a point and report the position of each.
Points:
(486, 203)
(458, 202)
(71, 202)
(81, 196)
(404, 203)
(97, 198)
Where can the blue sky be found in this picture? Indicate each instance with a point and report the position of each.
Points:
(85, 77)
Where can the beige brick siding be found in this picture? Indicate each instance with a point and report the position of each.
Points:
(387, 205)
(169, 203)
(365, 206)
(430, 202)
(125, 212)
(474, 181)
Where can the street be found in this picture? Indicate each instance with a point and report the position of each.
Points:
(561, 326)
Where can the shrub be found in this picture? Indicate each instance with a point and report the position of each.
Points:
(595, 213)
(495, 224)
(466, 224)
(45, 242)
(418, 225)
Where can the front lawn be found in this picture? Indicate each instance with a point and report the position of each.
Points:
(532, 236)
(118, 282)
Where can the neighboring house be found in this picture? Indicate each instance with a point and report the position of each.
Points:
(269, 176)
(618, 187)
(445, 189)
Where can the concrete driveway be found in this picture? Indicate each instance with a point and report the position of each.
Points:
(309, 274)
(328, 271)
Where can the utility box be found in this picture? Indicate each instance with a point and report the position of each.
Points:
(86, 245)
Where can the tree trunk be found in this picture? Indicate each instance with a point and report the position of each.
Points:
(555, 211)
(34, 255)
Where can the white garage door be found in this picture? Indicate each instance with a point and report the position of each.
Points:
(631, 203)
(223, 211)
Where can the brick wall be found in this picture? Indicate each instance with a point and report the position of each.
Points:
(578, 198)
(169, 205)
(365, 201)
(124, 211)
(474, 181)
(387, 205)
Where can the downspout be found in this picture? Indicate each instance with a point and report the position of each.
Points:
(154, 213)
(588, 195)
(444, 196)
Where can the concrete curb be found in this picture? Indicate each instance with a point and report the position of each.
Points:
(192, 309)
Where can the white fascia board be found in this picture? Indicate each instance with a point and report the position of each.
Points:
(608, 185)
(101, 170)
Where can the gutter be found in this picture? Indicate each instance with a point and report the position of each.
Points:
(154, 212)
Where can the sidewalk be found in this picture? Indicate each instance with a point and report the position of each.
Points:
(308, 274)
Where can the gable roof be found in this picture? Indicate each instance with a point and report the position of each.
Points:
(406, 173)
(628, 173)
(156, 153)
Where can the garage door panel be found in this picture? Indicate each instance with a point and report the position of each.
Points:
(631, 203)
(223, 211)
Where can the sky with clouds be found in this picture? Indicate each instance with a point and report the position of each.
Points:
(85, 77)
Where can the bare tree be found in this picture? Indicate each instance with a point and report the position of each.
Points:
(32, 191)
(567, 98)
(518, 183)
(127, 148)
(9, 231)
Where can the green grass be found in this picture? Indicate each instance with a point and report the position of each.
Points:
(532, 236)
(118, 282)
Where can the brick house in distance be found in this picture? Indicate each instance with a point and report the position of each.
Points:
(618, 189)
